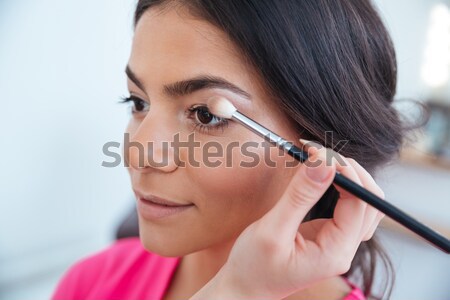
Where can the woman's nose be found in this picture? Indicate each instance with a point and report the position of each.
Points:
(150, 148)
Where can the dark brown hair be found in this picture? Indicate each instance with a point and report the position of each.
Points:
(331, 66)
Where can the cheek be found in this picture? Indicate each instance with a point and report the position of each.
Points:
(241, 193)
(234, 185)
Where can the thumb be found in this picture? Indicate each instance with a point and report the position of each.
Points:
(307, 186)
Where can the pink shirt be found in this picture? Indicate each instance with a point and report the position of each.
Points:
(126, 270)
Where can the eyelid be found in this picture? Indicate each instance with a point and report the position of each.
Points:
(204, 128)
(134, 99)
(136, 95)
(195, 107)
(130, 98)
(132, 85)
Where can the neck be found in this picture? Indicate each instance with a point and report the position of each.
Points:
(196, 269)
(204, 265)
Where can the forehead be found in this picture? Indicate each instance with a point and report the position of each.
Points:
(175, 25)
(171, 42)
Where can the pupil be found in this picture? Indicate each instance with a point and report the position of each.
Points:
(138, 106)
(204, 116)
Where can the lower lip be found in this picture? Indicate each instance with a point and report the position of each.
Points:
(153, 211)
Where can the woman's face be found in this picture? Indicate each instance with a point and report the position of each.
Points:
(180, 62)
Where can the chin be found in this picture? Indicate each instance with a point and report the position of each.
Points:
(160, 250)
(166, 245)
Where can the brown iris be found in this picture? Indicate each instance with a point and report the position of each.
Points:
(204, 116)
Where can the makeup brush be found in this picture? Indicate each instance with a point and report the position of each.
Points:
(222, 108)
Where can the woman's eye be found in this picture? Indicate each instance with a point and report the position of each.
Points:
(203, 116)
(205, 120)
(138, 105)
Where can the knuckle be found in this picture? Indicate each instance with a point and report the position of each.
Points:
(343, 266)
(351, 160)
(341, 162)
(343, 261)
(303, 195)
(376, 189)
(322, 155)
(338, 264)
(368, 235)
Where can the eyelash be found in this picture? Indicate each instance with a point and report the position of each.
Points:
(221, 122)
(190, 112)
(136, 101)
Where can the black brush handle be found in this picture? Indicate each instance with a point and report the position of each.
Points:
(385, 207)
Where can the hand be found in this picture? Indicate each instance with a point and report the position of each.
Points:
(279, 255)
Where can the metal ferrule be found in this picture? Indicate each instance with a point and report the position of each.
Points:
(262, 131)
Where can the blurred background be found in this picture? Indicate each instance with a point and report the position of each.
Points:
(61, 76)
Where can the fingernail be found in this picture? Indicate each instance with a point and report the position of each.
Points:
(310, 144)
(318, 173)
(304, 142)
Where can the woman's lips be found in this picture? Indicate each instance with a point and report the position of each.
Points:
(153, 208)
(162, 201)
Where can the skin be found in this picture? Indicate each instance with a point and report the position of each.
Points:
(168, 48)
(170, 45)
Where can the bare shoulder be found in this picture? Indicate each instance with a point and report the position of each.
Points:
(335, 288)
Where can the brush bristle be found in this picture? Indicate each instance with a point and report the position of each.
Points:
(221, 107)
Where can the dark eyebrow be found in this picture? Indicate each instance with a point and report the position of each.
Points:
(133, 78)
(185, 87)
